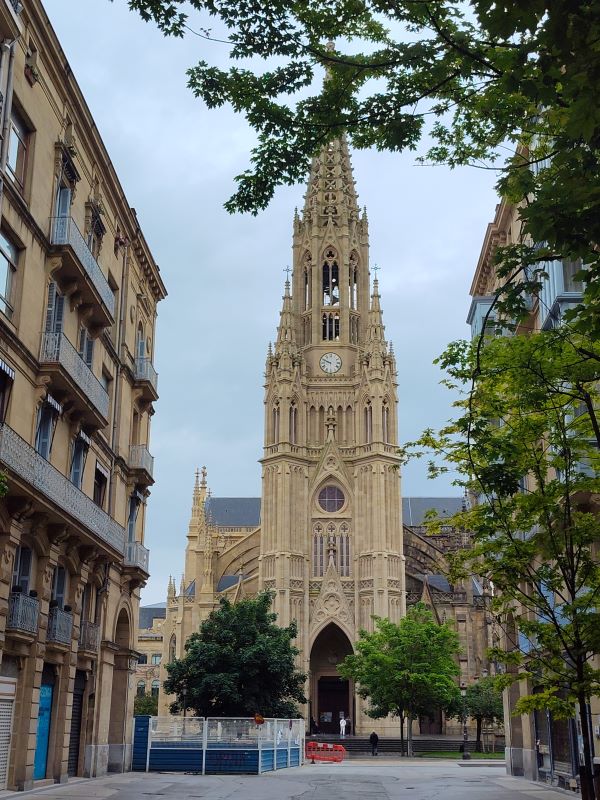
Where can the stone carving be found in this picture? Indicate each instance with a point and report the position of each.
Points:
(331, 602)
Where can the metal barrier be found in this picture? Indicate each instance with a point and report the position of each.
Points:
(217, 744)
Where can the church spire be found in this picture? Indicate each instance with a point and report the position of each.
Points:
(331, 195)
(376, 328)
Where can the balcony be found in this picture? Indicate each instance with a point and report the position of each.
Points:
(79, 272)
(141, 463)
(23, 615)
(10, 20)
(559, 292)
(89, 637)
(34, 476)
(146, 379)
(60, 626)
(136, 557)
(71, 374)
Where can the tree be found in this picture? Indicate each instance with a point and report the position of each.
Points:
(483, 702)
(508, 86)
(525, 445)
(145, 704)
(405, 669)
(238, 664)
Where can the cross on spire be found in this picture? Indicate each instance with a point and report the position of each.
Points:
(376, 269)
(287, 271)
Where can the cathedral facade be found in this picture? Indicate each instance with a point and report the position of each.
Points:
(326, 538)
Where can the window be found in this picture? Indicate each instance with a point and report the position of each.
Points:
(64, 198)
(385, 422)
(155, 688)
(86, 346)
(570, 269)
(331, 280)
(275, 424)
(7, 377)
(140, 348)
(9, 256)
(155, 658)
(141, 687)
(293, 424)
(331, 327)
(22, 569)
(54, 310)
(100, 484)
(135, 502)
(143, 658)
(172, 649)
(18, 139)
(81, 445)
(368, 423)
(331, 499)
(353, 280)
(59, 586)
(48, 415)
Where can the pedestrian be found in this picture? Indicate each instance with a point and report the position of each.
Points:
(348, 726)
(374, 739)
(313, 726)
(342, 727)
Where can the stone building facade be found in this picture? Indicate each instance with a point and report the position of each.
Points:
(538, 746)
(78, 296)
(327, 536)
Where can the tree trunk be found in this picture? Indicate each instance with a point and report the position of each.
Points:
(478, 747)
(586, 770)
(402, 734)
(409, 736)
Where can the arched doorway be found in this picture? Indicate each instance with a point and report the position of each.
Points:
(330, 695)
(117, 733)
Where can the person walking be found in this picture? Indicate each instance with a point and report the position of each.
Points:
(374, 739)
(342, 727)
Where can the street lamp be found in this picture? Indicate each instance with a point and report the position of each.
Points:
(466, 756)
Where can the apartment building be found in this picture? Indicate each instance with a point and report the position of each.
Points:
(539, 746)
(78, 295)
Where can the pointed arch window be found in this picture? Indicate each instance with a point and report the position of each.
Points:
(172, 649)
(276, 423)
(385, 422)
(331, 279)
(353, 280)
(293, 424)
(307, 276)
(368, 422)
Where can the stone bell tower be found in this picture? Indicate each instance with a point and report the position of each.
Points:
(331, 519)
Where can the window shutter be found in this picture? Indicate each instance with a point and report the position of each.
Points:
(50, 308)
(89, 351)
(59, 313)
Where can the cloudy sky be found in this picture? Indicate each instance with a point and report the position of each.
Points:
(224, 274)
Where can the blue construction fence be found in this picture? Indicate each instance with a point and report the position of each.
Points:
(216, 745)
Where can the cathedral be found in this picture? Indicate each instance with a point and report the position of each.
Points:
(327, 538)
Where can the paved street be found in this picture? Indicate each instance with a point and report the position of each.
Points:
(350, 781)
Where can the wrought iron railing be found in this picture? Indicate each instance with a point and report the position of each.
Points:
(136, 555)
(64, 231)
(144, 371)
(56, 348)
(60, 626)
(140, 458)
(89, 636)
(21, 458)
(23, 613)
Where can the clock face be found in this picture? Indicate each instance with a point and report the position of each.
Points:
(330, 363)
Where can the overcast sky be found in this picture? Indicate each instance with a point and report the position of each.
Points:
(224, 274)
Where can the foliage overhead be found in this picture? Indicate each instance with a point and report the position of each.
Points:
(507, 86)
(407, 668)
(238, 664)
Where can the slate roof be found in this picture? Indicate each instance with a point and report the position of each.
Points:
(415, 508)
(148, 613)
(244, 512)
(235, 512)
